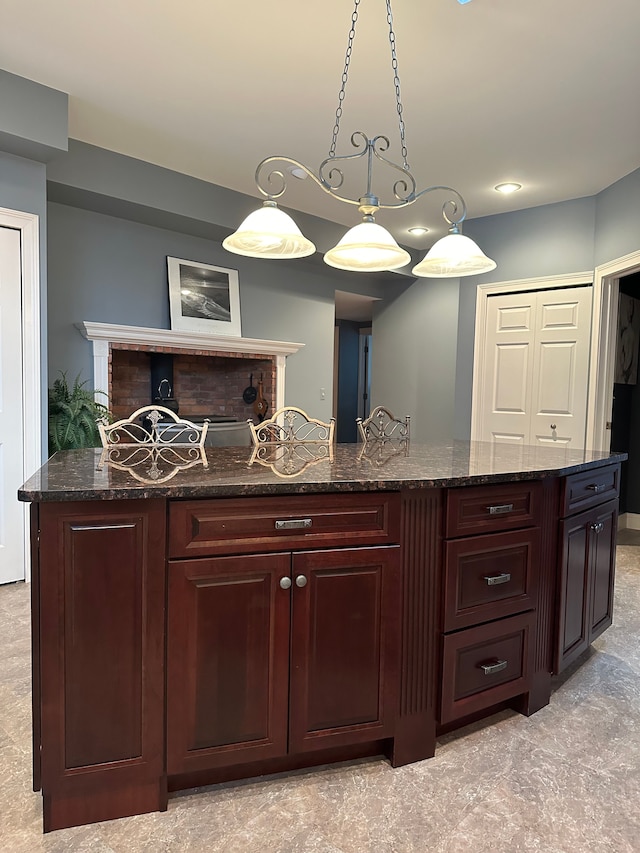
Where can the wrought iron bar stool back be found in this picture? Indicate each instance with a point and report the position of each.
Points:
(382, 425)
(290, 425)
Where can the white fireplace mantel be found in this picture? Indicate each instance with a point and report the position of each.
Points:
(104, 334)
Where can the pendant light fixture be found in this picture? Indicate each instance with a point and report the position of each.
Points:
(269, 232)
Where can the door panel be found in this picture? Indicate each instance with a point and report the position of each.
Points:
(536, 363)
(227, 661)
(509, 368)
(561, 366)
(573, 627)
(345, 646)
(102, 657)
(510, 382)
(603, 568)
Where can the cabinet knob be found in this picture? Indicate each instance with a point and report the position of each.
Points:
(301, 581)
(285, 583)
(597, 526)
(553, 426)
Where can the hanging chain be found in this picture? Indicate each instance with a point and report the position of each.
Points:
(345, 77)
(396, 82)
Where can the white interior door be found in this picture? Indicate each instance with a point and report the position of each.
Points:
(536, 367)
(12, 513)
(509, 369)
(561, 366)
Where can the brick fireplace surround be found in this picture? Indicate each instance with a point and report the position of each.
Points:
(209, 372)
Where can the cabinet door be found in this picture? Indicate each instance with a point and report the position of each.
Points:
(586, 580)
(227, 661)
(603, 551)
(573, 624)
(101, 602)
(345, 646)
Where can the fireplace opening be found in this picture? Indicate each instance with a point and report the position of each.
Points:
(204, 385)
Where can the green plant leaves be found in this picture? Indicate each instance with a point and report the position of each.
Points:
(73, 415)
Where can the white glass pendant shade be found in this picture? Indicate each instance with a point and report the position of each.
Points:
(454, 256)
(269, 233)
(368, 247)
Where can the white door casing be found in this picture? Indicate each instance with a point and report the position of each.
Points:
(603, 347)
(27, 353)
(531, 361)
(12, 544)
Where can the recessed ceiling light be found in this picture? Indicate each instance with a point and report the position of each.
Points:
(298, 173)
(508, 187)
(418, 230)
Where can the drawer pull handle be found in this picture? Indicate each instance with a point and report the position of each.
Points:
(285, 583)
(500, 509)
(494, 580)
(492, 668)
(597, 526)
(293, 524)
(596, 487)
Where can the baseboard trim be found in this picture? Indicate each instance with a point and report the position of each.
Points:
(629, 521)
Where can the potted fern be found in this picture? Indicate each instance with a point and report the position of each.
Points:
(73, 415)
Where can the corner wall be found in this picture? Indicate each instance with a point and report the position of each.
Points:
(111, 270)
(414, 356)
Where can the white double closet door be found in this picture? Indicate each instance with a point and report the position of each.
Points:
(536, 367)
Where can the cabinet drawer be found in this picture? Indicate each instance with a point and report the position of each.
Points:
(488, 577)
(484, 509)
(485, 665)
(245, 525)
(590, 488)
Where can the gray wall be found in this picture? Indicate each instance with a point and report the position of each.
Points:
(111, 270)
(23, 188)
(618, 220)
(33, 119)
(414, 356)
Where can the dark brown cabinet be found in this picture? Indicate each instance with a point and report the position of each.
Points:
(345, 646)
(99, 585)
(490, 596)
(227, 668)
(275, 654)
(180, 642)
(586, 577)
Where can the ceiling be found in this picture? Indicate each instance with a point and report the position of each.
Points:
(541, 92)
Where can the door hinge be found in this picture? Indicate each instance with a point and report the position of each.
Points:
(608, 425)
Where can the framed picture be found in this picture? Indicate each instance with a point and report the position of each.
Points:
(203, 298)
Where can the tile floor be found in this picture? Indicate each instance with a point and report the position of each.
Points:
(566, 780)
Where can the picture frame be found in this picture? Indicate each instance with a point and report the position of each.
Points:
(203, 298)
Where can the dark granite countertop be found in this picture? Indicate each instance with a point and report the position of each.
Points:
(230, 471)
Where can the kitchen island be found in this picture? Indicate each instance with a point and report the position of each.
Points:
(235, 616)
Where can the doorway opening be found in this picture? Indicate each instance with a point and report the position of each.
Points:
(352, 362)
(625, 414)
